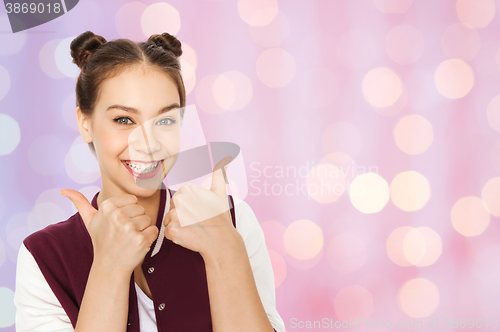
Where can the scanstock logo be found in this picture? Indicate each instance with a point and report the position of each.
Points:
(25, 14)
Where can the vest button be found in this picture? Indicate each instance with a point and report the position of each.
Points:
(161, 306)
(151, 269)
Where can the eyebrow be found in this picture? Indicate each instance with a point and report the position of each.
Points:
(135, 111)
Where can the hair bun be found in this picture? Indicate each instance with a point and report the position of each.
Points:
(167, 42)
(84, 46)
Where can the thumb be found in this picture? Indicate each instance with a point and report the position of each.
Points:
(219, 177)
(86, 210)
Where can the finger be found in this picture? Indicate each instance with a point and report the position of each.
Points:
(141, 222)
(86, 210)
(151, 233)
(123, 200)
(169, 217)
(133, 210)
(219, 178)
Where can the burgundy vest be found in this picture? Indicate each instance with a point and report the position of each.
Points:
(175, 275)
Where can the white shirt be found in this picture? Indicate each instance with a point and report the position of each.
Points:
(39, 310)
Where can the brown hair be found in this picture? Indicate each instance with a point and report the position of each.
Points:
(100, 60)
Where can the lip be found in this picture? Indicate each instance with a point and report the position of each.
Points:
(140, 175)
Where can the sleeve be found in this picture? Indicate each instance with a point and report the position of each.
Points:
(37, 308)
(249, 228)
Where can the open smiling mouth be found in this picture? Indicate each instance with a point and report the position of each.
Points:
(143, 169)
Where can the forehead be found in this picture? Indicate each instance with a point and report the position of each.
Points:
(140, 87)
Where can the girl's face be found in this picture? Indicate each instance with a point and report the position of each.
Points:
(135, 129)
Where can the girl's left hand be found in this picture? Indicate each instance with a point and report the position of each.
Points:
(200, 219)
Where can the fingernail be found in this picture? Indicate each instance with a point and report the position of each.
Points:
(62, 193)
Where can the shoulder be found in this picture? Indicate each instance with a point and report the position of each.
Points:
(67, 233)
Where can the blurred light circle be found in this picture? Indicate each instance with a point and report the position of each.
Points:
(325, 183)
(410, 191)
(4, 81)
(189, 64)
(413, 134)
(11, 43)
(16, 236)
(352, 302)
(394, 245)
(224, 92)
(82, 157)
(404, 44)
(341, 137)
(475, 13)
(318, 88)
(81, 173)
(393, 6)
(205, 98)
(232, 90)
(497, 57)
(418, 297)
(48, 60)
(433, 246)
(17, 229)
(356, 49)
(188, 75)
(491, 196)
(45, 214)
(189, 55)
(279, 267)
(381, 87)
(274, 232)
(258, 12)
(470, 216)
(128, 21)
(10, 134)
(304, 264)
(3, 253)
(344, 162)
(369, 192)
(495, 155)
(64, 61)
(46, 156)
(346, 252)
(460, 41)
(53, 196)
(483, 258)
(7, 307)
(273, 34)
(454, 78)
(414, 246)
(2, 207)
(303, 239)
(160, 17)
(493, 113)
(275, 67)
(69, 111)
(398, 106)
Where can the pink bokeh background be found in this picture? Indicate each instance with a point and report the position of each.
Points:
(369, 134)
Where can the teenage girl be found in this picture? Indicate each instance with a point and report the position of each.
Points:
(141, 257)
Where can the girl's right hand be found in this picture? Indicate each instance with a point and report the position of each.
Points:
(120, 230)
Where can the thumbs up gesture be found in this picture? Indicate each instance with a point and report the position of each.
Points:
(120, 230)
(200, 219)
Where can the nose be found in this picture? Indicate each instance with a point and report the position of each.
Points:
(144, 139)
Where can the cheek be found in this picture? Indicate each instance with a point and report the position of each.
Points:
(111, 142)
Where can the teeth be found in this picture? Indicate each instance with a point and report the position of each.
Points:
(141, 167)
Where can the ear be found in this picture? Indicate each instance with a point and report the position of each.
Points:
(84, 126)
